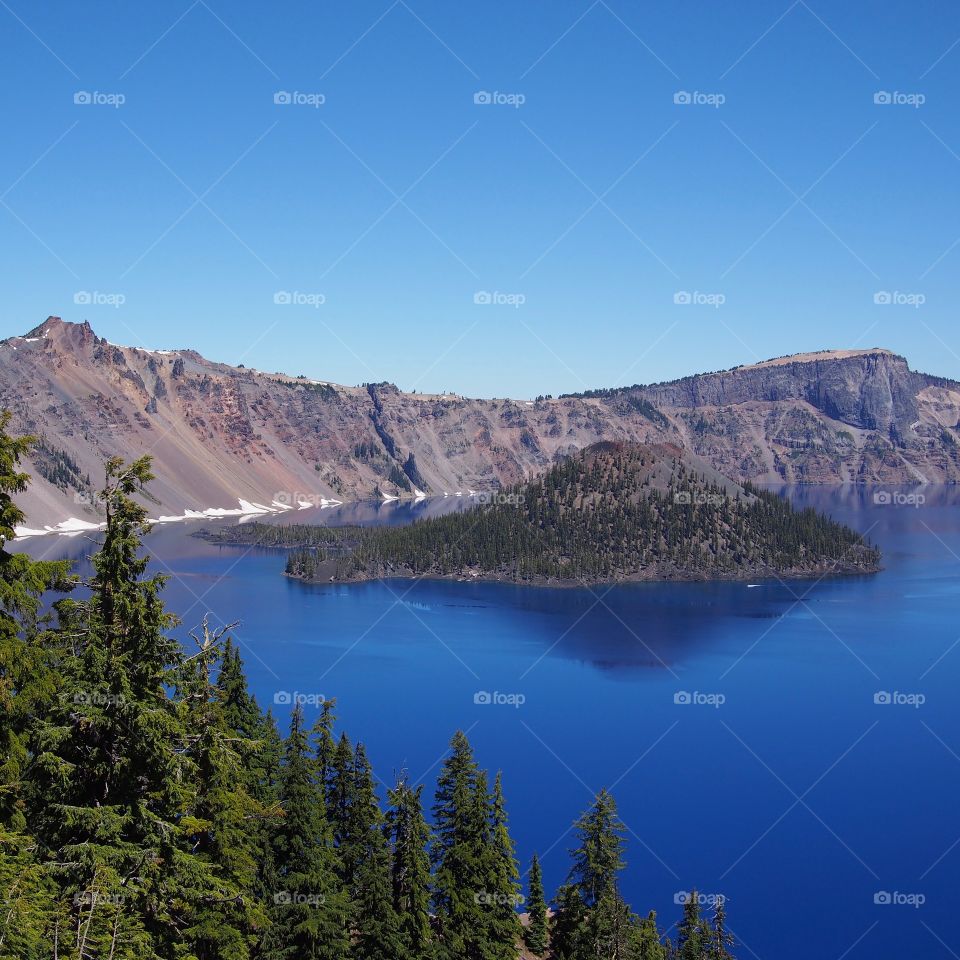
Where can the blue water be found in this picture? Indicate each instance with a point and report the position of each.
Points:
(798, 797)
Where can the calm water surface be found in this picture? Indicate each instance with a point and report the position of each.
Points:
(798, 797)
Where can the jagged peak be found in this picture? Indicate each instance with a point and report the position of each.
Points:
(57, 325)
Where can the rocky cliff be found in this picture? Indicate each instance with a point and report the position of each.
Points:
(220, 433)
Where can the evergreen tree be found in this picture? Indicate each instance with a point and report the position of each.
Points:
(535, 935)
(27, 675)
(410, 872)
(217, 822)
(694, 936)
(374, 920)
(341, 800)
(599, 857)
(568, 925)
(108, 769)
(326, 746)
(460, 831)
(503, 925)
(647, 944)
(309, 914)
(722, 940)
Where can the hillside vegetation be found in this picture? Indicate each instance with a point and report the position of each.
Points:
(612, 512)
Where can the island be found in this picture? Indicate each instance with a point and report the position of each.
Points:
(612, 512)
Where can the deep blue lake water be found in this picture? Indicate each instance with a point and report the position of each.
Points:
(798, 797)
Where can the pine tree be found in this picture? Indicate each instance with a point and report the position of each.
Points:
(568, 925)
(722, 940)
(309, 914)
(535, 935)
(341, 799)
(217, 822)
(503, 925)
(326, 746)
(694, 936)
(647, 944)
(27, 678)
(599, 857)
(408, 835)
(461, 828)
(108, 771)
(376, 925)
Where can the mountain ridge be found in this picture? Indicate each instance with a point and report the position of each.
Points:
(220, 433)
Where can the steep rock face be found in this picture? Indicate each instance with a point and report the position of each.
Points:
(219, 433)
(875, 390)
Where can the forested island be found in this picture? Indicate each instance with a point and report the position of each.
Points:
(612, 512)
(151, 810)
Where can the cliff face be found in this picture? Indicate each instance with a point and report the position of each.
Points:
(219, 433)
(874, 390)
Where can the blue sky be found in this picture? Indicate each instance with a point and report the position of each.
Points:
(582, 202)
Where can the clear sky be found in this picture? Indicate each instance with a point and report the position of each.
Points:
(577, 204)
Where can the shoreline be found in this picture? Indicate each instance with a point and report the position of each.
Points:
(744, 577)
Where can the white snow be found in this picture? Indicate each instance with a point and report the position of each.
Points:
(418, 494)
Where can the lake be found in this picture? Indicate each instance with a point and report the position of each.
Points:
(794, 747)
